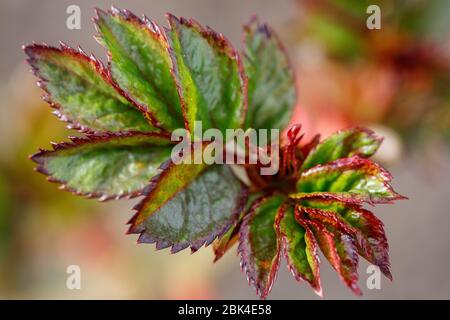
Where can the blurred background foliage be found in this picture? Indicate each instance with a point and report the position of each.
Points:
(395, 80)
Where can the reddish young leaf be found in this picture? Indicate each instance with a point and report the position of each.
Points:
(339, 248)
(258, 245)
(343, 144)
(356, 177)
(299, 246)
(372, 241)
(330, 219)
(368, 230)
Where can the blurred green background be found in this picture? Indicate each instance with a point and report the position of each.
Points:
(394, 80)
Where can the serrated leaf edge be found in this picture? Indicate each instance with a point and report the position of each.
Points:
(176, 247)
(285, 248)
(78, 53)
(351, 283)
(354, 129)
(270, 33)
(217, 40)
(154, 31)
(243, 252)
(356, 162)
(78, 141)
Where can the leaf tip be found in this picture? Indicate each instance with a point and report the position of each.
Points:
(172, 19)
(319, 291)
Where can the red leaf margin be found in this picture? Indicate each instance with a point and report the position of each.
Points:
(217, 40)
(328, 196)
(244, 252)
(326, 238)
(154, 30)
(354, 163)
(78, 141)
(269, 33)
(355, 130)
(80, 54)
(176, 247)
(375, 231)
(316, 285)
(330, 218)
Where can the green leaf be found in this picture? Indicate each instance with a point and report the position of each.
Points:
(81, 91)
(369, 232)
(209, 76)
(187, 206)
(258, 244)
(339, 40)
(105, 166)
(140, 64)
(328, 218)
(271, 80)
(343, 144)
(300, 248)
(173, 179)
(340, 250)
(355, 178)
